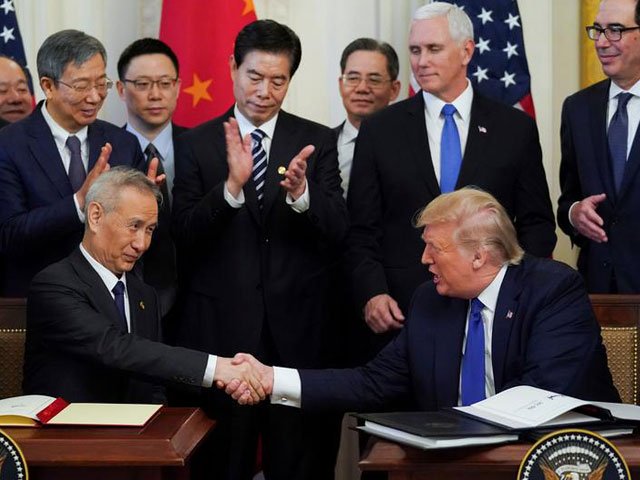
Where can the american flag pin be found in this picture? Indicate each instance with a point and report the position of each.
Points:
(481, 129)
(141, 305)
(509, 314)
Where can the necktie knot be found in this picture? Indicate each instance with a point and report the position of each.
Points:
(448, 110)
(476, 310)
(73, 143)
(257, 135)
(118, 289)
(623, 99)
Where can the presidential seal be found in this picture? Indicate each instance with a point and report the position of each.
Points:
(12, 464)
(573, 455)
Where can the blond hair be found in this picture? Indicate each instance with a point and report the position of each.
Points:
(481, 222)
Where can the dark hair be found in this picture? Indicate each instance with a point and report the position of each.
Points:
(371, 45)
(145, 46)
(268, 36)
(65, 47)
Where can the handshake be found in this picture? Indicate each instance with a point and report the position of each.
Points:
(244, 378)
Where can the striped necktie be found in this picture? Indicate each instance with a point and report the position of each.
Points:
(259, 163)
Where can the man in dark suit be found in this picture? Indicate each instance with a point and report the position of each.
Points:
(49, 160)
(412, 151)
(93, 330)
(368, 83)
(491, 318)
(149, 84)
(259, 243)
(599, 207)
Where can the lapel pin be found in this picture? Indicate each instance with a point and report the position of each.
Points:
(509, 314)
(282, 170)
(481, 129)
(141, 305)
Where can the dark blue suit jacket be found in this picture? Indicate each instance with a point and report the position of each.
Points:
(39, 223)
(544, 335)
(585, 170)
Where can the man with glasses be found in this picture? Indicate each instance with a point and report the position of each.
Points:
(445, 137)
(149, 85)
(49, 160)
(599, 205)
(368, 83)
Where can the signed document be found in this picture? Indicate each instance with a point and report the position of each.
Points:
(33, 410)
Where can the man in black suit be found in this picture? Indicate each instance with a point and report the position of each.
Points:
(599, 207)
(368, 83)
(149, 84)
(93, 330)
(400, 164)
(49, 160)
(260, 242)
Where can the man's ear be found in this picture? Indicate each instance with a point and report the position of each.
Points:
(95, 214)
(480, 257)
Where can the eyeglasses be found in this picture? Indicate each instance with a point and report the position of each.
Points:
(373, 81)
(146, 84)
(83, 87)
(613, 34)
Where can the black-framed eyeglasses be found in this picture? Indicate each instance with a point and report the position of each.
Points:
(146, 84)
(613, 34)
(83, 87)
(373, 81)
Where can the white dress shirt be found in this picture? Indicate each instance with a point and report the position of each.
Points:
(346, 145)
(435, 122)
(60, 136)
(246, 127)
(287, 387)
(110, 279)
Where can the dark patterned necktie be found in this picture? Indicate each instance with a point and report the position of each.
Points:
(152, 152)
(77, 173)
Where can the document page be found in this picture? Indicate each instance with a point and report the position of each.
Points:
(105, 414)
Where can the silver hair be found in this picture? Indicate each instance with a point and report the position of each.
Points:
(106, 189)
(460, 25)
(65, 47)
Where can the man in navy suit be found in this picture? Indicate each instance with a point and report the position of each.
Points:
(491, 318)
(49, 160)
(599, 207)
(399, 165)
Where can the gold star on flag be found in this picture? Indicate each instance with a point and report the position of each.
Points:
(199, 89)
(248, 7)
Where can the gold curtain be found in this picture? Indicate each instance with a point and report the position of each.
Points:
(590, 70)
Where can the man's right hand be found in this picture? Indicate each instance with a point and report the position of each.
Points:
(383, 314)
(586, 221)
(239, 158)
(101, 166)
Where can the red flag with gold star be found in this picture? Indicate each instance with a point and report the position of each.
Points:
(202, 35)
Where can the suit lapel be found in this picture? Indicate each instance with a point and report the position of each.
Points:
(96, 139)
(418, 141)
(283, 149)
(479, 133)
(503, 321)
(450, 325)
(631, 168)
(45, 151)
(137, 307)
(597, 110)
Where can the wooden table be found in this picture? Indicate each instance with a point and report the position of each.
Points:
(159, 450)
(473, 463)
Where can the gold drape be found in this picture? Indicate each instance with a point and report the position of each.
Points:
(590, 70)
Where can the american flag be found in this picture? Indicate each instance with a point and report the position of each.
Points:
(499, 68)
(10, 38)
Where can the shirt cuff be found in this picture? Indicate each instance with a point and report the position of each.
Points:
(300, 205)
(231, 200)
(78, 209)
(571, 208)
(287, 388)
(209, 371)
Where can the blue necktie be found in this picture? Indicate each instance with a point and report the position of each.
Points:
(259, 163)
(450, 151)
(618, 130)
(77, 173)
(473, 374)
(118, 298)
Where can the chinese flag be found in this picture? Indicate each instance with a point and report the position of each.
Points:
(202, 35)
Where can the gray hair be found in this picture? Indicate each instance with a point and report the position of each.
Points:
(106, 189)
(460, 25)
(65, 47)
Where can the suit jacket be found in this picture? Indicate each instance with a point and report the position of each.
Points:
(75, 348)
(544, 335)
(392, 179)
(585, 169)
(39, 223)
(264, 272)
